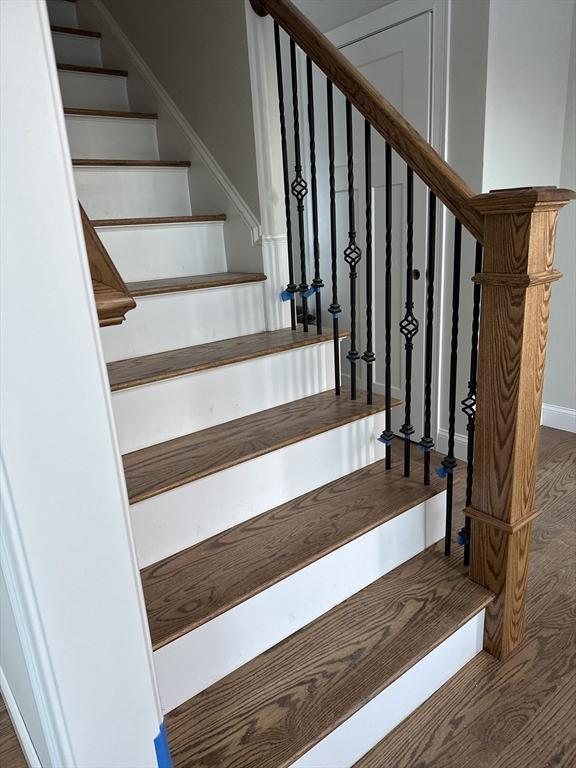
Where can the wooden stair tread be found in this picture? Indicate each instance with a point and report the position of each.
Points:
(162, 467)
(72, 111)
(158, 220)
(74, 31)
(136, 371)
(193, 586)
(92, 70)
(273, 709)
(83, 162)
(193, 282)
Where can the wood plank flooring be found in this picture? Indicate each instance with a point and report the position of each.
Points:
(158, 468)
(193, 586)
(136, 371)
(193, 283)
(519, 713)
(273, 709)
(11, 755)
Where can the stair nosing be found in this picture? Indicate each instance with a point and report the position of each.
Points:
(211, 435)
(81, 69)
(109, 113)
(59, 29)
(169, 285)
(303, 340)
(152, 220)
(420, 494)
(95, 163)
(395, 653)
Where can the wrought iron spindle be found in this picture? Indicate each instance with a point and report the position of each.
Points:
(369, 357)
(409, 324)
(449, 462)
(469, 404)
(334, 308)
(387, 435)
(427, 443)
(317, 283)
(291, 288)
(352, 254)
(299, 187)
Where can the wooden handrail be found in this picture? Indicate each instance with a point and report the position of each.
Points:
(413, 148)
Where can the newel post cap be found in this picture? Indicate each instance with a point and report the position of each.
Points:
(258, 7)
(521, 200)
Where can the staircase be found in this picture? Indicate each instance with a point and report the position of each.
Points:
(299, 606)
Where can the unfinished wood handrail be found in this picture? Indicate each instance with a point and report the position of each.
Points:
(113, 299)
(413, 148)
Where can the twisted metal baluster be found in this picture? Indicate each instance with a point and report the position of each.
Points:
(291, 288)
(388, 435)
(369, 357)
(334, 308)
(299, 187)
(409, 324)
(352, 254)
(317, 282)
(469, 405)
(449, 462)
(427, 443)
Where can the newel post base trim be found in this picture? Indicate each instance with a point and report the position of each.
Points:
(519, 236)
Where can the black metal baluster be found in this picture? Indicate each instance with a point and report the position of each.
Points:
(317, 283)
(291, 288)
(299, 187)
(449, 462)
(409, 324)
(369, 357)
(334, 308)
(427, 443)
(352, 253)
(387, 435)
(469, 405)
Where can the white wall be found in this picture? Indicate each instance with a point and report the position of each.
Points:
(67, 553)
(329, 14)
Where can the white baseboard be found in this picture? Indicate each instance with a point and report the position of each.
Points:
(460, 444)
(19, 725)
(558, 417)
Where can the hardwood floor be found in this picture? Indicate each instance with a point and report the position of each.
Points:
(10, 750)
(519, 713)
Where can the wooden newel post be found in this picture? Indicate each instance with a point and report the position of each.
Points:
(519, 235)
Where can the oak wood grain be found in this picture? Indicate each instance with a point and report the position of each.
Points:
(519, 228)
(193, 283)
(440, 177)
(92, 70)
(197, 584)
(113, 299)
(159, 468)
(178, 362)
(74, 31)
(81, 112)
(157, 220)
(88, 162)
(270, 711)
(517, 713)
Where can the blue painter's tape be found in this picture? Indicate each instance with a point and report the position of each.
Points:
(286, 296)
(383, 440)
(162, 749)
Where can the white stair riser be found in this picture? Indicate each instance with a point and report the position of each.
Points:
(112, 138)
(155, 251)
(289, 605)
(172, 521)
(86, 90)
(204, 399)
(361, 732)
(62, 13)
(175, 320)
(122, 192)
(77, 49)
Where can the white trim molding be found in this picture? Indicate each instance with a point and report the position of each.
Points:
(19, 725)
(200, 149)
(558, 417)
(460, 444)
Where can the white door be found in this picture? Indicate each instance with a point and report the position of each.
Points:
(398, 62)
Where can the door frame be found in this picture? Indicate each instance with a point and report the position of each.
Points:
(372, 23)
